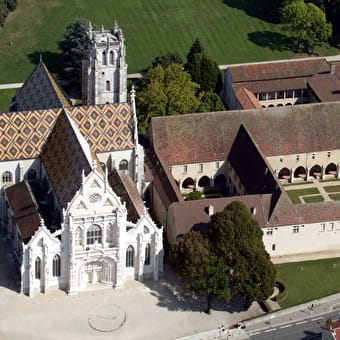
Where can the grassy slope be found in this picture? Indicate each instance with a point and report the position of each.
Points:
(317, 279)
(151, 27)
(6, 99)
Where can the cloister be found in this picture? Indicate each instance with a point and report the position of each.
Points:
(205, 183)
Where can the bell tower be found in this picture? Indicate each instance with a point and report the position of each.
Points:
(104, 68)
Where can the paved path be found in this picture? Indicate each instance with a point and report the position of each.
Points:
(222, 67)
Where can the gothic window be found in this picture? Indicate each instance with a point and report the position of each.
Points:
(111, 57)
(147, 254)
(7, 177)
(31, 175)
(107, 86)
(109, 234)
(94, 235)
(56, 265)
(78, 237)
(123, 165)
(130, 254)
(37, 268)
(104, 58)
(146, 230)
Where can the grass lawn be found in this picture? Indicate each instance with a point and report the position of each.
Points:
(294, 195)
(151, 28)
(329, 180)
(334, 188)
(317, 279)
(6, 98)
(335, 197)
(298, 183)
(313, 199)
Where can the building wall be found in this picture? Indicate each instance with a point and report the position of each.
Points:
(299, 239)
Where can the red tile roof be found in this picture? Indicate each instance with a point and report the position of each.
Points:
(25, 209)
(283, 130)
(246, 98)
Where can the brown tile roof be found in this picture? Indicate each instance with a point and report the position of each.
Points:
(276, 131)
(64, 157)
(25, 209)
(40, 91)
(246, 98)
(326, 87)
(193, 215)
(124, 187)
(105, 127)
(278, 70)
(335, 326)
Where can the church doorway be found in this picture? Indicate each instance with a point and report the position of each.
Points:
(93, 272)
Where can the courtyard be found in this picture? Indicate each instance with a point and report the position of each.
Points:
(140, 310)
(313, 191)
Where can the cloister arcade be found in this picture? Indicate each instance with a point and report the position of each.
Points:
(302, 173)
(204, 183)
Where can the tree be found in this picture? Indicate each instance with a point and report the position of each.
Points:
(237, 238)
(165, 92)
(210, 102)
(194, 195)
(73, 49)
(167, 59)
(307, 23)
(211, 279)
(195, 48)
(192, 256)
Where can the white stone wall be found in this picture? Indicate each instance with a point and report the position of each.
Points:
(299, 239)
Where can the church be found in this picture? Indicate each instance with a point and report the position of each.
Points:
(72, 179)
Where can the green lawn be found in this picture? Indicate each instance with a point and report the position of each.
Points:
(332, 188)
(151, 28)
(6, 98)
(298, 183)
(318, 278)
(313, 199)
(329, 180)
(335, 197)
(294, 195)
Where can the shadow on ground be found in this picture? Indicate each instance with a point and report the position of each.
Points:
(274, 40)
(50, 59)
(7, 268)
(312, 335)
(172, 294)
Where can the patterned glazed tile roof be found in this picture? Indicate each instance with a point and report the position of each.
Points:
(278, 70)
(40, 91)
(65, 157)
(276, 131)
(105, 127)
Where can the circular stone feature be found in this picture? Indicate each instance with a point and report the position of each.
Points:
(107, 318)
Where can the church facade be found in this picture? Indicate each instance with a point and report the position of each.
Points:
(72, 179)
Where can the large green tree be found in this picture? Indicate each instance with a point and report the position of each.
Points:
(307, 22)
(165, 92)
(167, 59)
(236, 236)
(73, 49)
(192, 256)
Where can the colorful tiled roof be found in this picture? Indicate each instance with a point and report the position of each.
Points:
(40, 91)
(105, 127)
(64, 157)
(282, 130)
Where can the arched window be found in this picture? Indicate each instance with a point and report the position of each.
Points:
(107, 86)
(6, 177)
(78, 237)
(109, 233)
(37, 268)
(146, 230)
(56, 265)
(130, 254)
(104, 58)
(188, 183)
(94, 235)
(31, 175)
(111, 57)
(284, 173)
(147, 254)
(123, 165)
(204, 182)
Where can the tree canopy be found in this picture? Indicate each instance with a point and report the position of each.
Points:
(307, 22)
(236, 236)
(165, 92)
(167, 59)
(5, 7)
(73, 48)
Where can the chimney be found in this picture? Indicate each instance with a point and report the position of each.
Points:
(332, 68)
(211, 210)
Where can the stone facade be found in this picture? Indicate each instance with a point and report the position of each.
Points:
(104, 70)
